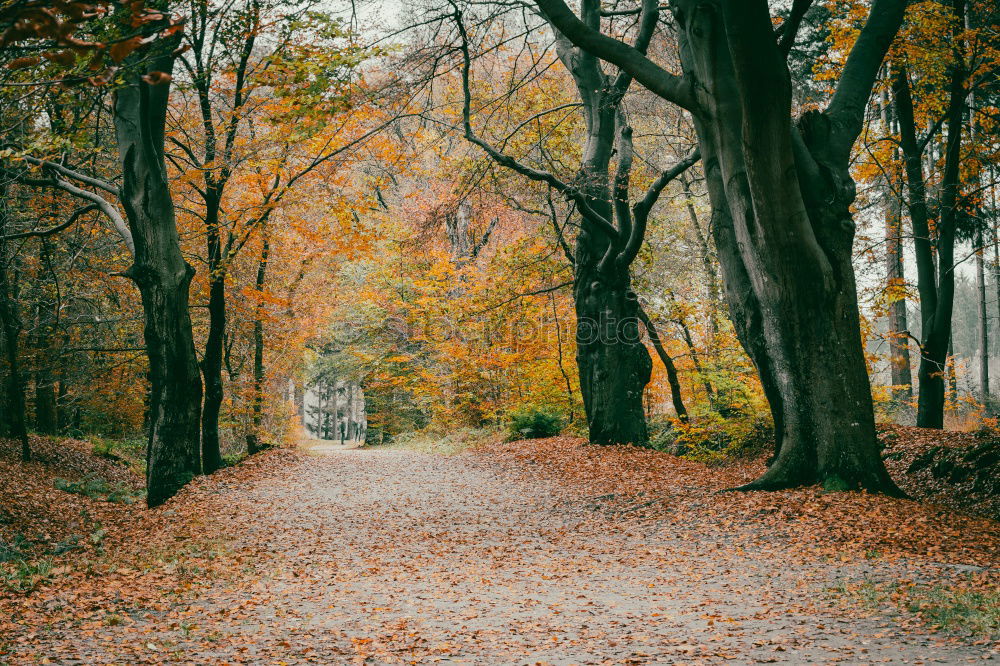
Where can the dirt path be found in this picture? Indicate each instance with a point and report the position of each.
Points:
(389, 556)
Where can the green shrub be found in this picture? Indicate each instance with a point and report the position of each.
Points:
(235, 458)
(662, 435)
(95, 487)
(713, 439)
(963, 610)
(104, 448)
(130, 451)
(26, 576)
(447, 442)
(535, 423)
(68, 544)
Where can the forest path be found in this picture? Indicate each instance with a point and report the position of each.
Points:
(394, 556)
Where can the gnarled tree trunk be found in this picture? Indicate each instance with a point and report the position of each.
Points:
(780, 194)
(613, 362)
(163, 279)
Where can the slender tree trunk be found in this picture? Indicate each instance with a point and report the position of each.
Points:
(984, 346)
(163, 279)
(350, 410)
(45, 390)
(5, 409)
(10, 324)
(211, 362)
(696, 360)
(899, 347)
(708, 265)
(996, 263)
(952, 363)
(320, 409)
(668, 364)
(46, 419)
(937, 292)
(61, 396)
(299, 396)
(253, 437)
(570, 403)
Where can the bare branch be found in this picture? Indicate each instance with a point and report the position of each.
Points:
(669, 86)
(51, 231)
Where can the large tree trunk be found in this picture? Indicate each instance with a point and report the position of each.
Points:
(163, 279)
(613, 362)
(780, 195)
(785, 192)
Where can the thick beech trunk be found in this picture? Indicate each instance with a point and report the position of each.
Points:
(163, 279)
(614, 365)
(780, 195)
(613, 362)
(787, 193)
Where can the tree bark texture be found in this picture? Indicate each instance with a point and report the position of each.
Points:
(780, 193)
(163, 279)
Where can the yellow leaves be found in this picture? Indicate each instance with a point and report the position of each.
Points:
(265, 297)
(398, 358)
